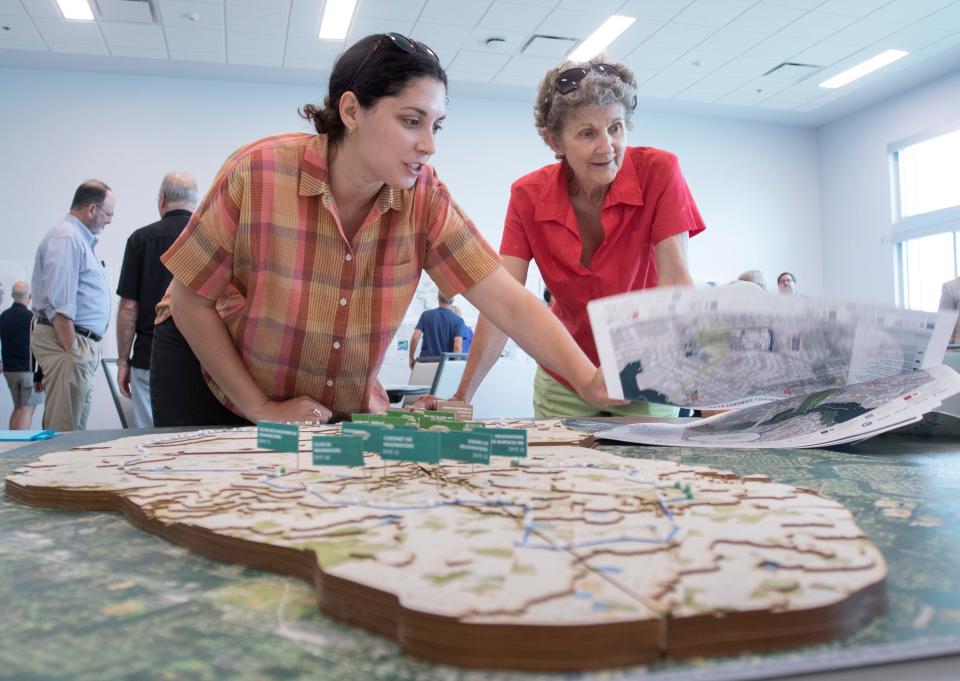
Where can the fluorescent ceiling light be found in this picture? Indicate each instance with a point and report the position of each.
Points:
(336, 19)
(860, 70)
(75, 9)
(597, 41)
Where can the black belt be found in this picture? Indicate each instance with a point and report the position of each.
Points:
(86, 333)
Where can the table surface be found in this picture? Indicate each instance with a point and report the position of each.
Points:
(86, 595)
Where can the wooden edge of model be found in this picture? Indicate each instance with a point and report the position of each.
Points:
(447, 640)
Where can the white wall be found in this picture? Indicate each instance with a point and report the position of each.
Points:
(858, 261)
(756, 184)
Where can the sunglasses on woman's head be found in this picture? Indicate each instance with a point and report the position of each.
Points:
(401, 42)
(569, 80)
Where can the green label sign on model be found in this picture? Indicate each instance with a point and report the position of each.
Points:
(370, 433)
(467, 446)
(330, 450)
(280, 437)
(409, 445)
(508, 441)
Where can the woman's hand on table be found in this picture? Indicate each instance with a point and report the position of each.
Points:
(595, 392)
(298, 409)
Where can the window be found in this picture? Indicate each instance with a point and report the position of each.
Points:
(926, 215)
(929, 175)
(925, 263)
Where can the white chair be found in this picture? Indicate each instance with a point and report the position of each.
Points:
(445, 376)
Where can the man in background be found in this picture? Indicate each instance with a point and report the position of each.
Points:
(441, 330)
(15, 324)
(71, 301)
(787, 283)
(143, 280)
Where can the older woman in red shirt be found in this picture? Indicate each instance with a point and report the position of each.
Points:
(605, 219)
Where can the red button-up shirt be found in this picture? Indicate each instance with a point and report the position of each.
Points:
(648, 201)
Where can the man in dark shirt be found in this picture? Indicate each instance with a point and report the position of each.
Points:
(441, 329)
(143, 280)
(15, 351)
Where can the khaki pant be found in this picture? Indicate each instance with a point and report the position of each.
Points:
(67, 378)
(552, 399)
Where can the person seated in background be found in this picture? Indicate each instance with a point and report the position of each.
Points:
(294, 273)
(466, 331)
(950, 300)
(15, 324)
(754, 277)
(787, 284)
(605, 219)
(441, 330)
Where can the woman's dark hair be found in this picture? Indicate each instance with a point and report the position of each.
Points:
(372, 68)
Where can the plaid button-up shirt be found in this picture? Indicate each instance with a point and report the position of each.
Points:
(310, 312)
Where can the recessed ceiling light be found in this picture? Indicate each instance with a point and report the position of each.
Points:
(78, 10)
(337, 15)
(862, 69)
(597, 41)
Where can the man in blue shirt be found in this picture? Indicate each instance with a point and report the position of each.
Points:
(15, 324)
(441, 330)
(71, 302)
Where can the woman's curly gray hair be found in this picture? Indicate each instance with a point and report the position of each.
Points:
(553, 109)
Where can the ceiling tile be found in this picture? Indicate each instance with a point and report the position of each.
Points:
(679, 36)
(304, 24)
(133, 35)
(713, 87)
(793, 97)
(12, 8)
(31, 45)
(254, 60)
(746, 67)
(191, 14)
(853, 8)
(949, 17)
(713, 12)
(779, 47)
(20, 28)
(545, 46)
(257, 20)
(652, 57)
(664, 10)
(195, 40)
(699, 61)
(947, 44)
(766, 18)
(188, 55)
(731, 41)
(905, 12)
(322, 52)
(513, 40)
(41, 9)
(460, 13)
(476, 65)
(605, 6)
(570, 24)
(78, 48)
(816, 25)
(70, 32)
(668, 84)
(826, 53)
(634, 36)
(444, 40)
(364, 26)
(522, 70)
(752, 93)
(311, 6)
(262, 4)
(865, 32)
(916, 38)
(138, 52)
(401, 10)
(797, 4)
(514, 17)
(538, 3)
(254, 44)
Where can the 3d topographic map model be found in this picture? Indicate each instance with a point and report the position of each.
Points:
(569, 558)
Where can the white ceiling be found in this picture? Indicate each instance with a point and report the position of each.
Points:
(702, 56)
